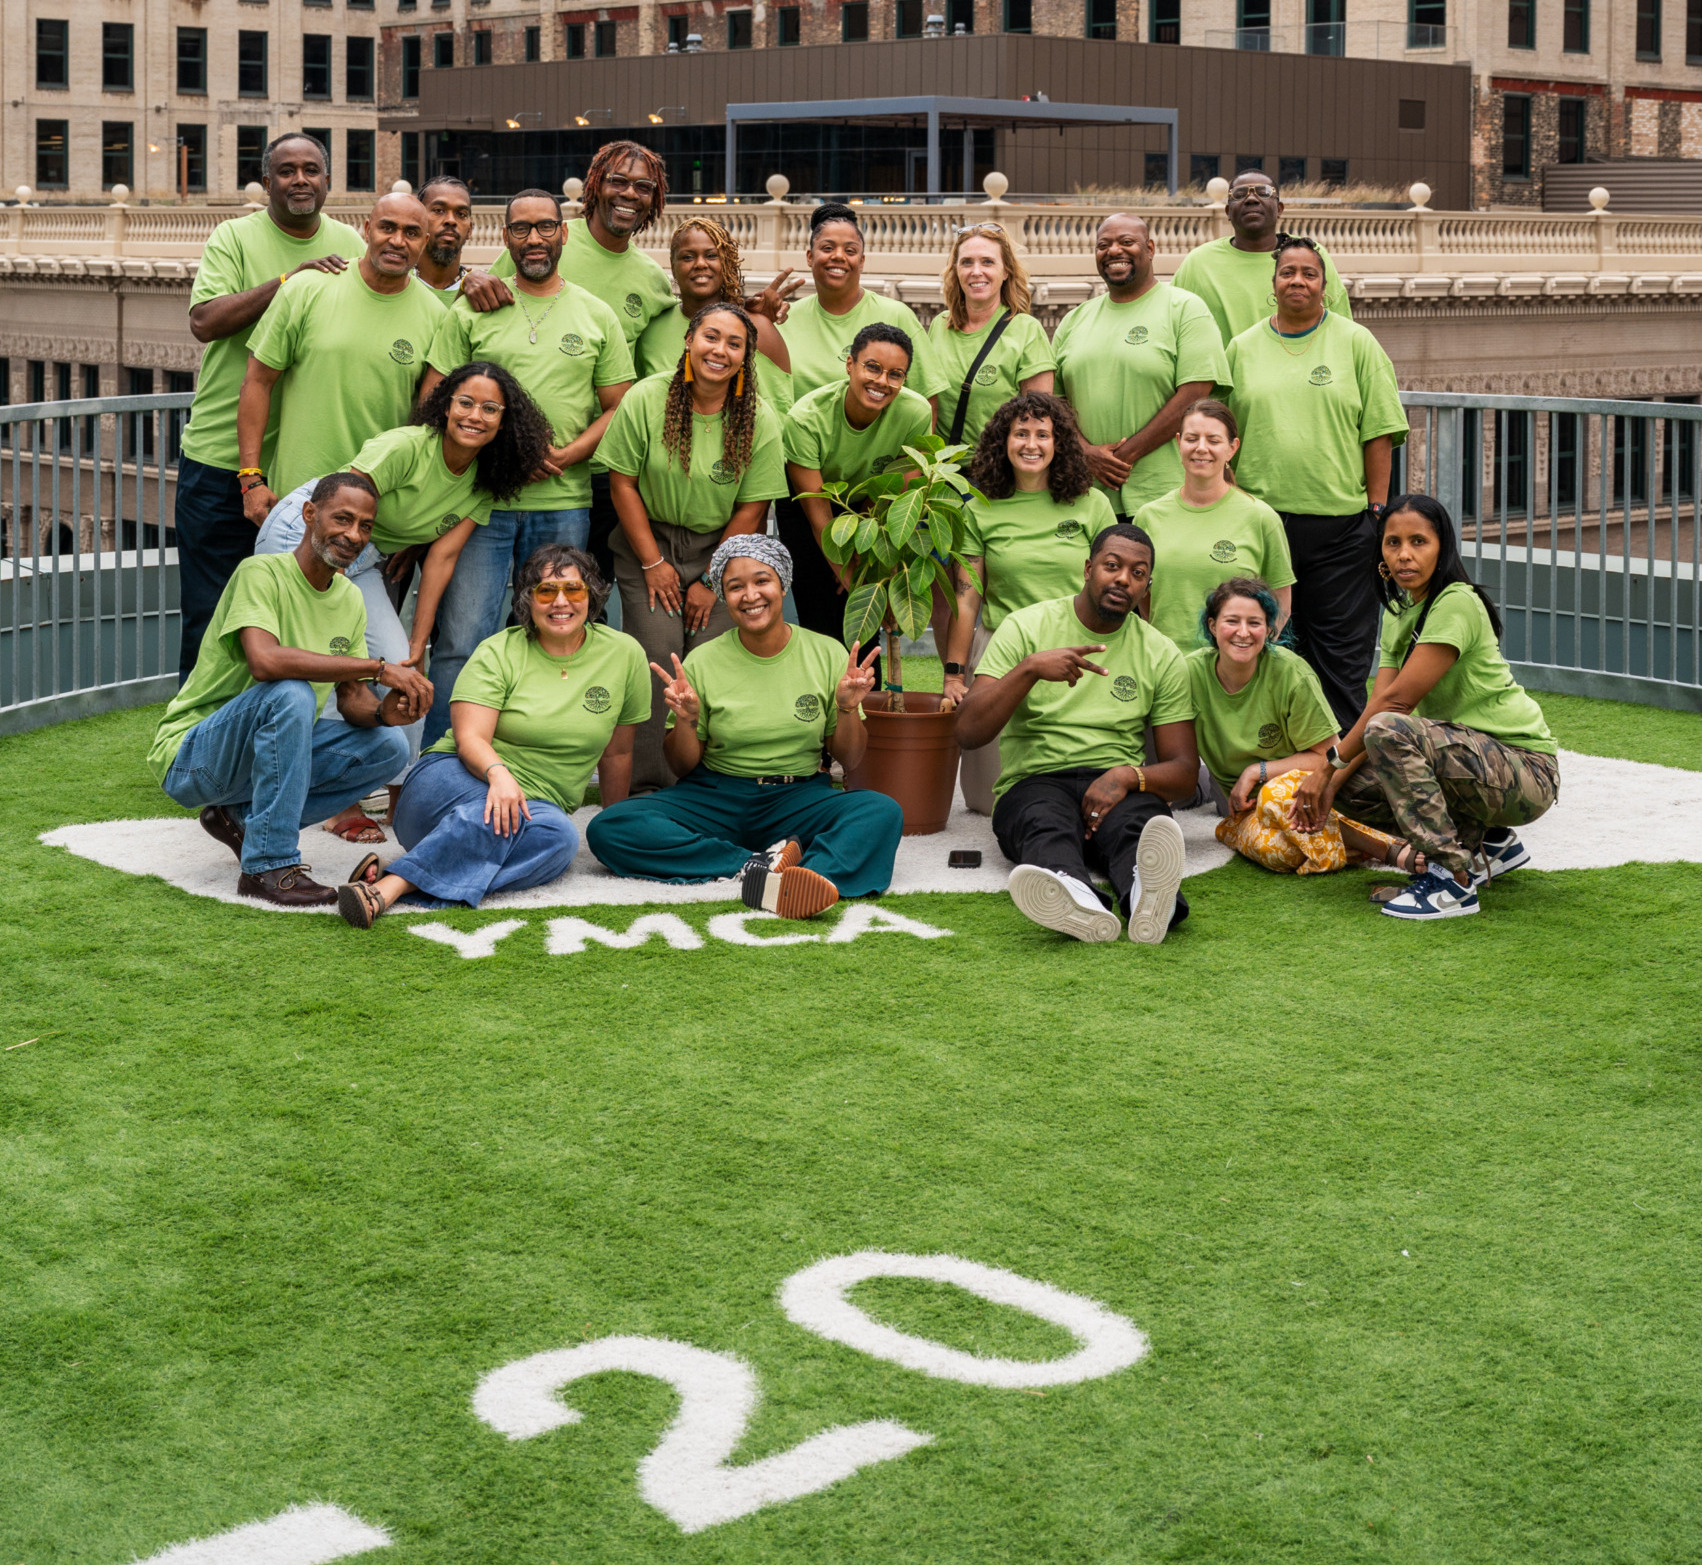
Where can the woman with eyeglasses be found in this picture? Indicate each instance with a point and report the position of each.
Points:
(1320, 416)
(475, 441)
(694, 457)
(536, 708)
(985, 346)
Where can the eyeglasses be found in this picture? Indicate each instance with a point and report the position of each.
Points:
(992, 230)
(639, 187)
(465, 404)
(1241, 192)
(549, 591)
(547, 229)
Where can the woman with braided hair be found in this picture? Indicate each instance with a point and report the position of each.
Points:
(708, 270)
(694, 457)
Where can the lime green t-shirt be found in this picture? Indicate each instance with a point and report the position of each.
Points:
(243, 253)
(419, 499)
(765, 717)
(269, 592)
(1279, 712)
(555, 716)
(1306, 406)
(351, 359)
(444, 296)
(703, 500)
(1031, 548)
(580, 347)
(658, 352)
(1237, 286)
(817, 434)
(1196, 549)
(628, 281)
(1022, 350)
(1099, 723)
(1479, 691)
(820, 344)
(1118, 364)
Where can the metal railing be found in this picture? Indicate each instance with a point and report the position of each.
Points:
(1368, 40)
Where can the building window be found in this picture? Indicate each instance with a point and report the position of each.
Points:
(411, 66)
(1157, 170)
(323, 136)
(576, 37)
(357, 69)
(117, 57)
(179, 382)
(1166, 21)
(1427, 23)
(411, 157)
(1253, 25)
(1648, 29)
(1332, 171)
(358, 160)
(1102, 19)
(1571, 143)
(1410, 114)
(854, 21)
(50, 154)
(1249, 163)
(250, 149)
(139, 438)
(1575, 27)
(791, 25)
(407, 5)
(1521, 24)
(361, 5)
(1326, 31)
(1019, 15)
(603, 40)
(316, 65)
(117, 154)
(443, 50)
(678, 29)
(52, 53)
(193, 151)
(1516, 137)
(482, 46)
(534, 45)
(1692, 54)
(739, 29)
(251, 65)
(1202, 167)
(192, 60)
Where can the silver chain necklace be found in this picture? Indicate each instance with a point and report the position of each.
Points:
(536, 325)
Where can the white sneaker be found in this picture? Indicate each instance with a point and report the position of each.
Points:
(1063, 903)
(1159, 861)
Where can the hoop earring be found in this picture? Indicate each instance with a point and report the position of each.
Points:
(739, 384)
(1383, 570)
(688, 369)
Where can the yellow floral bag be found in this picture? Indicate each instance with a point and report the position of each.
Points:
(1264, 834)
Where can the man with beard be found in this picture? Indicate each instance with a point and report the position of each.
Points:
(567, 348)
(1233, 276)
(625, 189)
(449, 212)
(243, 739)
(339, 355)
(245, 262)
(1070, 688)
(1131, 362)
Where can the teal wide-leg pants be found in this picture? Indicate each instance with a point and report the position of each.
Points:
(708, 825)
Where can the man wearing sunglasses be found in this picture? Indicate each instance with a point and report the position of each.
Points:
(1234, 276)
(571, 352)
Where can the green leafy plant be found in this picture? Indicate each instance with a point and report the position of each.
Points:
(895, 534)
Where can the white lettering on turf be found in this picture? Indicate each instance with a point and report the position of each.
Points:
(302, 1535)
(815, 1299)
(471, 944)
(864, 918)
(687, 1477)
(568, 936)
(733, 928)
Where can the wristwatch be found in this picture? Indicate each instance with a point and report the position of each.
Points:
(1334, 757)
(952, 668)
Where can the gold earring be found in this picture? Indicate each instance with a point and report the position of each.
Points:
(739, 385)
(688, 369)
(1383, 570)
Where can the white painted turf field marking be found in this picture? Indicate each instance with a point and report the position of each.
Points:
(302, 1535)
(470, 943)
(1655, 813)
(815, 1299)
(686, 1477)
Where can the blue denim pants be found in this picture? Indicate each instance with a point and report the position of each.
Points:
(473, 602)
(453, 856)
(276, 765)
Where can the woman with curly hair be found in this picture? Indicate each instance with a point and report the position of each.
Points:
(476, 440)
(537, 706)
(1024, 544)
(694, 457)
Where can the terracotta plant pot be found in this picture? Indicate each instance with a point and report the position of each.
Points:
(912, 757)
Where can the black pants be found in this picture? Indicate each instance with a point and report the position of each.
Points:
(1336, 609)
(1039, 821)
(815, 589)
(213, 538)
(604, 523)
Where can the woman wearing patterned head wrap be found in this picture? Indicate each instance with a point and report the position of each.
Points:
(749, 716)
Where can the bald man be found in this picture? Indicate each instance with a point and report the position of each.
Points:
(341, 353)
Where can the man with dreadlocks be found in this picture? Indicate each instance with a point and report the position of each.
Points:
(694, 457)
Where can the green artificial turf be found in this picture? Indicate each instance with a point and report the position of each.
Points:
(1408, 1213)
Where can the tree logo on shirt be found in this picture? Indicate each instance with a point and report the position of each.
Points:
(339, 646)
(634, 306)
(986, 375)
(402, 351)
(1320, 376)
(721, 473)
(807, 708)
(446, 523)
(1137, 336)
(1269, 734)
(1069, 529)
(597, 699)
(572, 344)
(1124, 688)
(1223, 551)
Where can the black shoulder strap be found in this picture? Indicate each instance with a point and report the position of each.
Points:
(962, 412)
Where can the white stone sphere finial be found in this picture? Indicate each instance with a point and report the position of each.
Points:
(254, 193)
(995, 184)
(573, 189)
(120, 194)
(777, 185)
(401, 187)
(23, 193)
(1217, 190)
(1420, 193)
(1599, 198)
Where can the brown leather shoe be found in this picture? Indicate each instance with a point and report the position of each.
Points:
(221, 826)
(287, 887)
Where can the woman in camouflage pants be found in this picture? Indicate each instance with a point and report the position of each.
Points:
(1450, 753)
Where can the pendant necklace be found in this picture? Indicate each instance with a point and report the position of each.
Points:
(536, 325)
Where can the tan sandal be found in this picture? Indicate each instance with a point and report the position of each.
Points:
(366, 870)
(360, 904)
(1402, 856)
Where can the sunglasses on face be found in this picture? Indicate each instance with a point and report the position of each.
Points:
(1241, 192)
(549, 591)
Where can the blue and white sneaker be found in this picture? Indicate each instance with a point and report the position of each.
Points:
(1434, 894)
(1502, 851)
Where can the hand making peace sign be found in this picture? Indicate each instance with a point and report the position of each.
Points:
(857, 680)
(677, 692)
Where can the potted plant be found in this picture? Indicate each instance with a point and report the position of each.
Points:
(894, 534)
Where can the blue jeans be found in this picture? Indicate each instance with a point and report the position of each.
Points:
(472, 606)
(213, 538)
(276, 765)
(453, 856)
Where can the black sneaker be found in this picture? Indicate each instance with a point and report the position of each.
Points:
(775, 882)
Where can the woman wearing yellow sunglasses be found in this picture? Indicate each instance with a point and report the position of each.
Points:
(535, 709)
